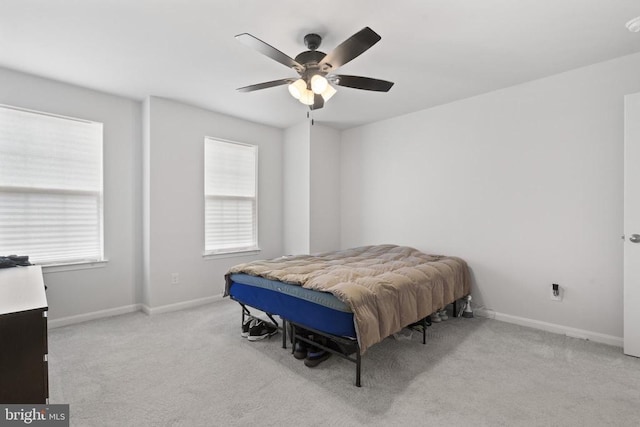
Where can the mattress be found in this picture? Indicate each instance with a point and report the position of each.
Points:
(314, 309)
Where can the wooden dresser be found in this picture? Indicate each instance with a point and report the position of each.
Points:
(23, 336)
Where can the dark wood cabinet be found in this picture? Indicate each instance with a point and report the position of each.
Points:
(23, 336)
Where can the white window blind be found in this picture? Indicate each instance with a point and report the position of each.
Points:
(50, 187)
(230, 197)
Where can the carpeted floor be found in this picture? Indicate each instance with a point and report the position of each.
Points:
(192, 368)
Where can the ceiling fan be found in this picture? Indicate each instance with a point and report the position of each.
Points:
(314, 85)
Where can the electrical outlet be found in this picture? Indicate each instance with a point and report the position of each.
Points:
(175, 278)
(556, 296)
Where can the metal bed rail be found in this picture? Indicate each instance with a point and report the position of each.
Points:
(349, 346)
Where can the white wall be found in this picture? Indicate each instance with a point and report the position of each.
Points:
(73, 293)
(311, 189)
(166, 183)
(175, 217)
(524, 183)
(324, 215)
(297, 173)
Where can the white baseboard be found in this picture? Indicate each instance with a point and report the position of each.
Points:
(72, 320)
(180, 305)
(551, 327)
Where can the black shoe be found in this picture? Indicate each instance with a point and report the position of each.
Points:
(260, 330)
(300, 350)
(246, 326)
(315, 358)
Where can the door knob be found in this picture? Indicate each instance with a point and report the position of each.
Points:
(635, 238)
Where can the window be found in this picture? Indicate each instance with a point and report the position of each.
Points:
(230, 197)
(50, 187)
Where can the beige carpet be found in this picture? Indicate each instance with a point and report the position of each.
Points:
(192, 368)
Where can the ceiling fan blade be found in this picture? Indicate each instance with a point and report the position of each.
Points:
(318, 102)
(365, 83)
(351, 48)
(265, 85)
(268, 50)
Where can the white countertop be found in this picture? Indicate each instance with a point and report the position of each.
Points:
(21, 289)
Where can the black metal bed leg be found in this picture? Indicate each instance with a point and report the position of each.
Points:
(424, 331)
(245, 312)
(358, 363)
(284, 333)
(455, 308)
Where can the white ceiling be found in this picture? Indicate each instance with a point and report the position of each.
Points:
(436, 51)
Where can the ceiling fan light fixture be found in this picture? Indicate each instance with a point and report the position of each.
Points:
(328, 92)
(297, 88)
(307, 97)
(318, 84)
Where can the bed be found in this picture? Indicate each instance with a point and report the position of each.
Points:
(355, 297)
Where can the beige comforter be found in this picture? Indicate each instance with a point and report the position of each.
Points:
(387, 287)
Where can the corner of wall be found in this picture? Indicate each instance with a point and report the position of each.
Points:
(324, 184)
(146, 208)
(296, 170)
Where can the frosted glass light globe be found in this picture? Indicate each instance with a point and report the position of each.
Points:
(297, 88)
(318, 84)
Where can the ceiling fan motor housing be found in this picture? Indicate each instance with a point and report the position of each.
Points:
(310, 59)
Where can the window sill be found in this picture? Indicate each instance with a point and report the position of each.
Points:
(83, 265)
(220, 255)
